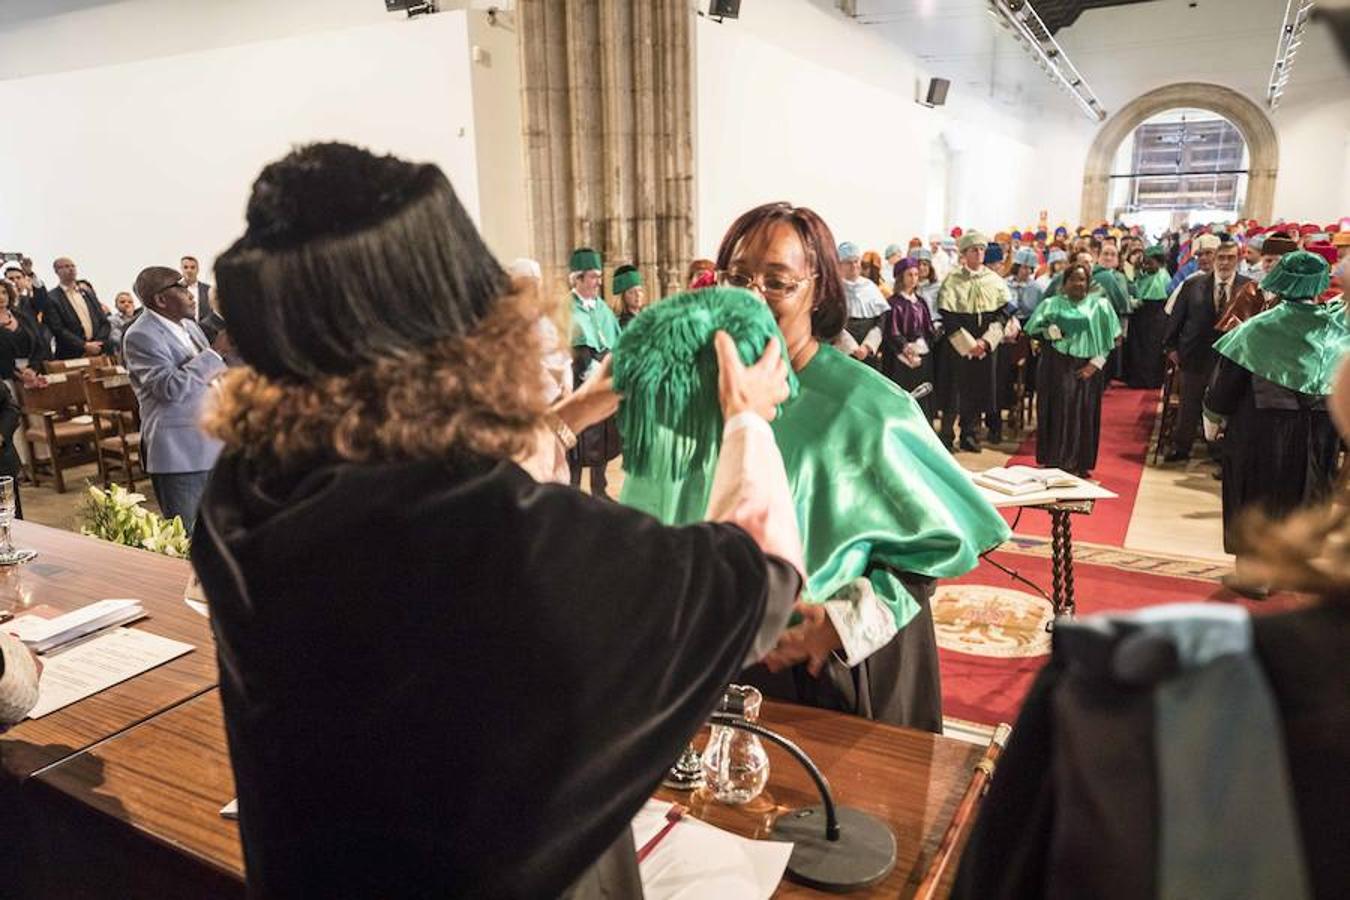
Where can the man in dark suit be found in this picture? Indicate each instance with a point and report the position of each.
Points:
(1190, 337)
(201, 295)
(76, 317)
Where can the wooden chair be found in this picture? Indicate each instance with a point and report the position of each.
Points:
(1171, 408)
(108, 371)
(57, 421)
(1019, 414)
(82, 364)
(117, 434)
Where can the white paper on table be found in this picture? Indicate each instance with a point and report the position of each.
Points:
(83, 669)
(195, 597)
(43, 633)
(696, 861)
(649, 821)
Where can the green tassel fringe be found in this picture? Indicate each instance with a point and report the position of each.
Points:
(665, 368)
(1298, 276)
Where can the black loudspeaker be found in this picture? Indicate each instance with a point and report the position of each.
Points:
(937, 91)
(725, 9)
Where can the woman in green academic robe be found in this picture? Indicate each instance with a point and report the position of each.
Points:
(883, 509)
(1078, 331)
(1143, 348)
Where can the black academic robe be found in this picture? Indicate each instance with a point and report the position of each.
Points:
(893, 342)
(438, 680)
(600, 443)
(966, 384)
(1073, 809)
(28, 341)
(1279, 446)
(1143, 348)
(1068, 412)
(899, 684)
(10, 465)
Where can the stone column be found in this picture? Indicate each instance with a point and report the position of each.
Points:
(607, 108)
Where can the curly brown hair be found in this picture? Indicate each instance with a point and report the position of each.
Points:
(480, 393)
(1308, 552)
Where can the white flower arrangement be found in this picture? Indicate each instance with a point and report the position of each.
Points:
(117, 515)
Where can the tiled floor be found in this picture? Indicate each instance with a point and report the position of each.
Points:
(46, 507)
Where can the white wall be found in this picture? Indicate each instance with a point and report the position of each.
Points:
(797, 102)
(498, 135)
(44, 36)
(1314, 180)
(138, 162)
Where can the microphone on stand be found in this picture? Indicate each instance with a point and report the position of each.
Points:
(835, 848)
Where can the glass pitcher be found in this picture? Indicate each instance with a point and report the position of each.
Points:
(735, 764)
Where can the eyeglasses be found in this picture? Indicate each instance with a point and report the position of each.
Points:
(179, 283)
(770, 287)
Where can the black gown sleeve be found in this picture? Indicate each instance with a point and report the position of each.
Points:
(1226, 387)
(644, 626)
(1175, 322)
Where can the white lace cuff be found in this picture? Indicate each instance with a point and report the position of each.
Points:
(864, 623)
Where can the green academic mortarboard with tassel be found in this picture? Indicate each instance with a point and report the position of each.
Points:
(626, 277)
(665, 368)
(584, 259)
(1298, 276)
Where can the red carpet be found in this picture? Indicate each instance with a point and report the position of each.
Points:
(991, 689)
(1127, 424)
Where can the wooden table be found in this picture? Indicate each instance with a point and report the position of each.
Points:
(72, 570)
(910, 779)
(139, 816)
(142, 811)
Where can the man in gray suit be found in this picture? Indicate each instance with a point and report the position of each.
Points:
(172, 367)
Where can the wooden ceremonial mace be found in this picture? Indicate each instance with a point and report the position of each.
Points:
(965, 813)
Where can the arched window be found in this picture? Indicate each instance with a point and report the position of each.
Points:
(1177, 167)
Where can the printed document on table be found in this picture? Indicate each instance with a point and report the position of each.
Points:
(697, 860)
(82, 670)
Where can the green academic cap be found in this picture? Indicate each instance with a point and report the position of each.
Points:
(665, 368)
(1298, 276)
(1156, 251)
(584, 259)
(626, 277)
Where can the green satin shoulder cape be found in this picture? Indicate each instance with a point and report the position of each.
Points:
(1152, 287)
(1116, 288)
(871, 483)
(1090, 328)
(597, 328)
(1296, 345)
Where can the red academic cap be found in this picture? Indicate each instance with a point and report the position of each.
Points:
(956, 232)
(1308, 228)
(1326, 251)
